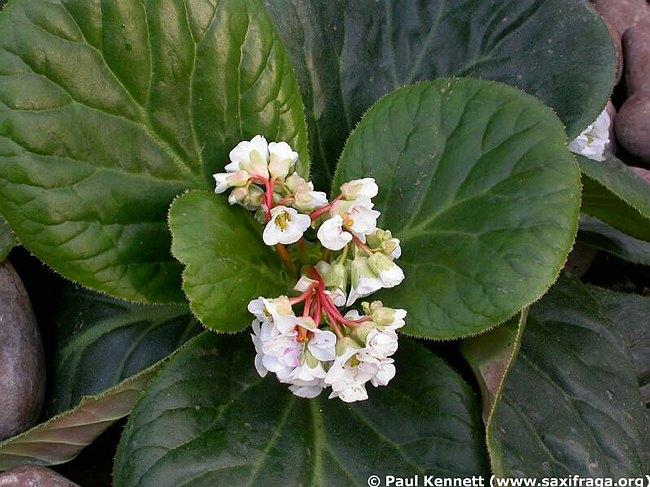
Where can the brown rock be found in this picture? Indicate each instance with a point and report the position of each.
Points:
(22, 368)
(636, 45)
(633, 126)
(621, 14)
(33, 476)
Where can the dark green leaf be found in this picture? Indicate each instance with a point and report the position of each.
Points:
(570, 404)
(227, 263)
(108, 110)
(491, 355)
(476, 181)
(7, 239)
(209, 419)
(101, 342)
(614, 194)
(601, 236)
(629, 315)
(348, 54)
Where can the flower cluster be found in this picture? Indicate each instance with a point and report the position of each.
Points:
(593, 140)
(312, 340)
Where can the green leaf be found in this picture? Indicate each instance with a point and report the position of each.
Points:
(347, 54)
(100, 342)
(629, 315)
(7, 239)
(61, 438)
(601, 236)
(570, 403)
(614, 194)
(105, 354)
(490, 355)
(108, 110)
(209, 419)
(227, 263)
(476, 181)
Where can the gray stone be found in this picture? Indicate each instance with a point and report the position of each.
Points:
(32, 476)
(22, 366)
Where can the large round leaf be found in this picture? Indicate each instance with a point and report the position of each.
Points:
(476, 181)
(570, 402)
(110, 109)
(209, 419)
(227, 263)
(348, 53)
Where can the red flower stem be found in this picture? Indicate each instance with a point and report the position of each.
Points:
(316, 214)
(307, 309)
(302, 297)
(357, 241)
(318, 312)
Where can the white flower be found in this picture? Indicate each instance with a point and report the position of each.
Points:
(251, 156)
(225, 180)
(381, 344)
(358, 215)
(332, 235)
(593, 140)
(363, 280)
(359, 187)
(383, 266)
(348, 375)
(282, 159)
(308, 201)
(262, 333)
(294, 361)
(385, 372)
(271, 311)
(305, 199)
(286, 226)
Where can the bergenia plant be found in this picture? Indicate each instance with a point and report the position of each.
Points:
(323, 345)
(319, 242)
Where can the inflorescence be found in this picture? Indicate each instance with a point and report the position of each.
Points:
(313, 340)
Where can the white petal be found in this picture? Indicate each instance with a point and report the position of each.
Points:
(221, 181)
(259, 144)
(303, 284)
(308, 392)
(360, 187)
(331, 234)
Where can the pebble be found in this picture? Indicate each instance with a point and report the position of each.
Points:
(22, 381)
(33, 476)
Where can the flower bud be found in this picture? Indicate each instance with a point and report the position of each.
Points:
(363, 280)
(360, 333)
(383, 241)
(359, 187)
(308, 201)
(281, 159)
(383, 266)
(257, 165)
